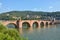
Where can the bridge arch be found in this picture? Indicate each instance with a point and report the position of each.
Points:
(50, 23)
(46, 24)
(41, 24)
(35, 24)
(25, 25)
(11, 25)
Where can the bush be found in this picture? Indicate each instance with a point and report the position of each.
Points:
(9, 34)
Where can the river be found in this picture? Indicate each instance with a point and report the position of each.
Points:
(51, 32)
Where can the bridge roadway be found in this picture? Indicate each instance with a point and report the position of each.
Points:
(19, 23)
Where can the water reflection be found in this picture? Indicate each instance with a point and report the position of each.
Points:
(20, 31)
(50, 32)
(31, 29)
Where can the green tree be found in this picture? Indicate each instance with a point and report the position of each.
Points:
(9, 34)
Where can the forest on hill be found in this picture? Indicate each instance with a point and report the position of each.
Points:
(30, 13)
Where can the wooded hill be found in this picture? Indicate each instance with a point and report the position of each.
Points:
(32, 13)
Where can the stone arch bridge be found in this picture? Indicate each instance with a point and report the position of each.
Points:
(19, 23)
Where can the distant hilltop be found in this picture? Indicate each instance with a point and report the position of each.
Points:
(30, 14)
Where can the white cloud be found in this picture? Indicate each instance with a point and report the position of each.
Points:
(34, 9)
(37, 9)
(50, 7)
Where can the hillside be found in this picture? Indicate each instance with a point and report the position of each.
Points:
(31, 13)
(23, 13)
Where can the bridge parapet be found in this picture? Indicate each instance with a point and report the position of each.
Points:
(7, 22)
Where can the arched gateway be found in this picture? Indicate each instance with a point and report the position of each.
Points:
(28, 23)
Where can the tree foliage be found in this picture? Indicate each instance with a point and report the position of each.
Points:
(9, 34)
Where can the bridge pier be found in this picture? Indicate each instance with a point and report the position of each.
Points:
(20, 24)
(31, 25)
(38, 24)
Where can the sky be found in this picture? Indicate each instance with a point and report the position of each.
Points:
(29, 5)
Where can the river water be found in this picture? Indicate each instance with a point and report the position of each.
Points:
(52, 32)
